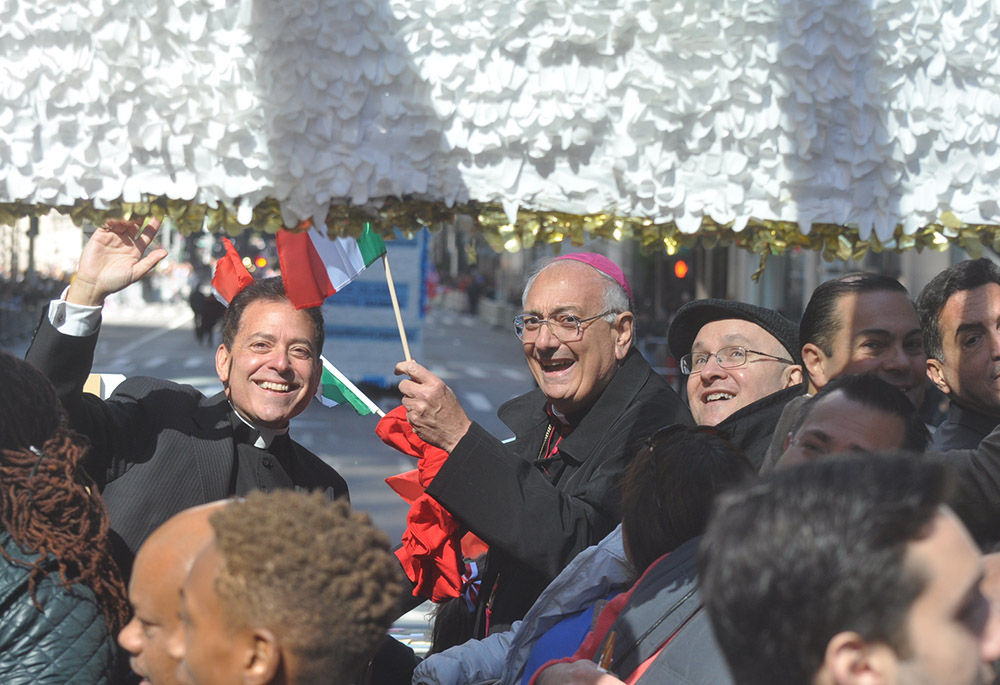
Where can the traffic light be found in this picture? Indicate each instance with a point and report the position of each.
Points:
(260, 262)
(681, 269)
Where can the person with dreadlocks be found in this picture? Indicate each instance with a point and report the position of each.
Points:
(62, 600)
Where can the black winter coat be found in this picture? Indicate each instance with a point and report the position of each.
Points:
(537, 519)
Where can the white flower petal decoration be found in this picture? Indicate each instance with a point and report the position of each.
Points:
(869, 115)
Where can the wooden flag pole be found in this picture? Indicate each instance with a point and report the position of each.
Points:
(395, 308)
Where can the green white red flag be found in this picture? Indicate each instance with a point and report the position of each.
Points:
(230, 276)
(314, 267)
(335, 388)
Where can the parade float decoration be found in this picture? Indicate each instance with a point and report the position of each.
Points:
(770, 124)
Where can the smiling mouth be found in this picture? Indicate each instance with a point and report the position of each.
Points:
(716, 396)
(556, 366)
(275, 387)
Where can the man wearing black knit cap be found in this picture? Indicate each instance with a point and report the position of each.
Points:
(742, 365)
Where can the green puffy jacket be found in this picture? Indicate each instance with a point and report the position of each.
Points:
(67, 642)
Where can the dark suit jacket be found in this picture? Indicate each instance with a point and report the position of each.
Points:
(157, 447)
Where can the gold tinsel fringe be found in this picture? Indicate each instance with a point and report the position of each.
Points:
(537, 227)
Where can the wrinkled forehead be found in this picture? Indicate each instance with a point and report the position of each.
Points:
(565, 285)
(853, 425)
(875, 309)
(720, 333)
(972, 306)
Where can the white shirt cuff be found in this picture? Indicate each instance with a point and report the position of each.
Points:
(78, 320)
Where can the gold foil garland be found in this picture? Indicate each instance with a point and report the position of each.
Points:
(535, 227)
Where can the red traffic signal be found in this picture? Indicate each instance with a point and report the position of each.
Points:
(680, 268)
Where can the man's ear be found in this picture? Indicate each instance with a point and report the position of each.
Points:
(935, 371)
(849, 660)
(792, 375)
(222, 363)
(814, 361)
(625, 331)
(265, 660)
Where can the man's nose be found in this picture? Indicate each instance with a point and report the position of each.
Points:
(896, 359)
(990, 644)
(175, 643)
(995, 344)
(129, 637)
(279, 360)
(713, 369)
(546, 339)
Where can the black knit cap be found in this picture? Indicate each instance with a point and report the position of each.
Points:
(692, 316)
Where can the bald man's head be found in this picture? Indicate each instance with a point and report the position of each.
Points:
(154, 591)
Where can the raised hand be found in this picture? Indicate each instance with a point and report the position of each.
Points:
(113, 259)
(431, 407)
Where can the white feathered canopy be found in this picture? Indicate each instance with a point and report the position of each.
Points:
(833, 124)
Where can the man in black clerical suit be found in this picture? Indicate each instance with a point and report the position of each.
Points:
(159, 447)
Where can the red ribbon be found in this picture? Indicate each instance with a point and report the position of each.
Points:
(433, 551)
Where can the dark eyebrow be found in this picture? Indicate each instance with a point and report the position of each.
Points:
(885, 333)
(821, 435)
(975, 327)
(874, 331)
(270, 337)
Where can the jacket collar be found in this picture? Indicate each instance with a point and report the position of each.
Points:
(755, 413)
(752, 427)
(526, 413)
(972, 419)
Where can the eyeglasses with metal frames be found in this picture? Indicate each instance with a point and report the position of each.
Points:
(731, 357)
(565, 327)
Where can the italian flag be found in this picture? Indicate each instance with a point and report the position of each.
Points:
(231, 276)
(334, 388)
(313, 266)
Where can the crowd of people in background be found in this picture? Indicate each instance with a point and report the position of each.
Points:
(787, 516)
(21, 300)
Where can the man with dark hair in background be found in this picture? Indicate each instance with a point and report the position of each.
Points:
(857, 323)
(160, 447)
(848, 571)
(292, 590)
(960, 316)
(854, 413)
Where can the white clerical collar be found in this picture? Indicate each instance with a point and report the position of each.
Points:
(265, 436)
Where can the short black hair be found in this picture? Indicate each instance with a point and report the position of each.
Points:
(819, 324)
(872, 392)
(668, 489)
(318, 574)
(272, 289)
(794, 557)
(967, 275)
